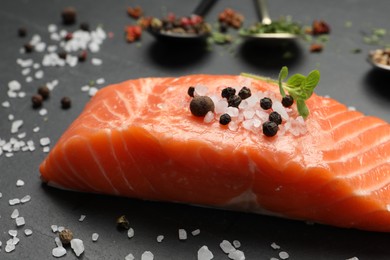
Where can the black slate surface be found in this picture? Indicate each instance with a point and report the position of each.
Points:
(345, 76)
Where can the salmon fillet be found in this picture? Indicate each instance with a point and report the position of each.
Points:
(139, 139)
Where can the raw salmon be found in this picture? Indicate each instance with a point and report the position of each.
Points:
(139, 139)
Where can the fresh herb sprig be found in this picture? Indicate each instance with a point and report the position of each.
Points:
(298, 86)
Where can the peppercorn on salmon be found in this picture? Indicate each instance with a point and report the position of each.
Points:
(139, 139)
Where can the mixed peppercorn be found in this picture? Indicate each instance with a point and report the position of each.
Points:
(201, 105)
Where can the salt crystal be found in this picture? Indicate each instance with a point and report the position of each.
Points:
(25, 199)
(29, 79)
(54, 228)
(51, 85)
(82, 217)
(227, 247)
(44, 141)
(58, 251)
(85, 88)
(262, 115)
(94, 47)
(61, 228)
(16, 125)
(130, 233)
(353, 258)
(15, 214)
(247, 124)
(12, 94)
(52, 28)
(204, 253)
(100, 81)
(278, 107)
(43, 112)
(14, 85)
(160, 238)
(200, 90)
(39, 74)
(19, 183)
(71, 60)
(283, 255)
(92, 91)
(58, 242)
(129, 257)
(35, 39)
(208, 117)
(95, 237)
(36, 129)
(52, 48)
(8, 155)
(9, 248)
(6, 104)
(195, 232)
(20, 221)
(275, 246)
(77, 246)
(249, 114)
(13, 233)
(147, 255)
(96, 61)
(232, 111)
(40, 47)
(1, 195)
(237, 255)
(13, 202)
(28, 232)
(221, 106)
(46, 149)
(233, 126)
(26, 71)
(236, 243)
(25, 63)
(182, 234)
(21, 94)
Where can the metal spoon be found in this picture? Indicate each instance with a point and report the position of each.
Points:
(200, 10)
(262, 9)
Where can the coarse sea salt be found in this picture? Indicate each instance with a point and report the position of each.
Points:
(160, 238)
(44, 141)
(20, 221)
(12, 232)
(96, 61)
(130, 233)
(275, 246)
(182, 234)
(58, 251)
(95, 237)
(77, 245)
(195, 232)
(236, 243)
(147, 255)
(82, 217)
(204, 253)
(129, 257)
(236, 255)
(16, 125)
(6, 104)
(13, 202)
(227, 247)
(92, 91)
(25, 199)
(28, 232)
(283, 255)
(19, 183)
(209, 117)
(54, 228)
(15, 214)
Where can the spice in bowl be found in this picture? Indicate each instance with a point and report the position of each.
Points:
(381, 57)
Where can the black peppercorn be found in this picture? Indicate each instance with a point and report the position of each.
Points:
(65, 102)
(44, 91)
(191, 91)
(68, 16)
(270, 128)
(275, 117)
(84, 27)
(228, 92)
(122, 222)
(287, 101)
(28, 47)
(22, 32)
(62, 55)
(201, 105)
(225, 119)
(82, 56)
(36, 101)
(234, 101)
(244, 93)
(265, 103)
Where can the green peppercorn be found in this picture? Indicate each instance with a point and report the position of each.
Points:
(228, 92)
(244, 93)
(270, 128)
(225, 119)
(265, 103)
(201, 105)
(275, 117)
(287, 101)
(191, 91)
(234, 101)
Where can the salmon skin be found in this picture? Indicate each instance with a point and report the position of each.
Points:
(139, 139)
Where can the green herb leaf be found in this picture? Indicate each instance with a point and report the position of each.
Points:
(295, 80)
(303, 110)
(311, 82)
(282, 75)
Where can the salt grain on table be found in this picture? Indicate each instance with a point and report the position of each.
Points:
(275, 246)
(9, 248)
(20, 221)
(54, 228)
(227, 247)
(25, 199)
(6, 104)
(39, 74)
(92, 91)
(160, 238)
(19, 183)
(12, 232)
(100, 81)
(195, 232)
(237, 255)
(236, 243)
(283, 255)
(204, 253)
(129, 257)
(16, 125)
(95, 237)
(44, 141)
(182, 234)
(147, 255)
(28, 232)
(13, 202)
(77, 246)
(96, 62)
(58, 251)
(130, 233)
(15, 214)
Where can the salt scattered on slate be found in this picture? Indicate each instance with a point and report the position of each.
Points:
(20, 221)
(85, 88)
(25, 199)
(26, 71)
(129, 257)
(36, 129)
(29, 79)
(16, 125)
(130, 233)
(227, 247)
(236, 243)
(283, 255)
(6, 104)
(100, 81)
(77, 245)
(28, 232)
(13, 202)
(58, 251)
(82, 217)
(58, 242)
(275, 246)
(182, 234)
(195, 232)
(46, 149)
(204, 253)
(44, 141)
(12, 232)
(1, 195)
(353, 258)
(96, 61)
(11, 117)
(43, 112)
(9, 248)
(95, 237)
(60, 228)
(19, 183)
(15, 214)
(54, 228)
(160, 238)
(92, 91)
(237, 255)
(147, 255)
